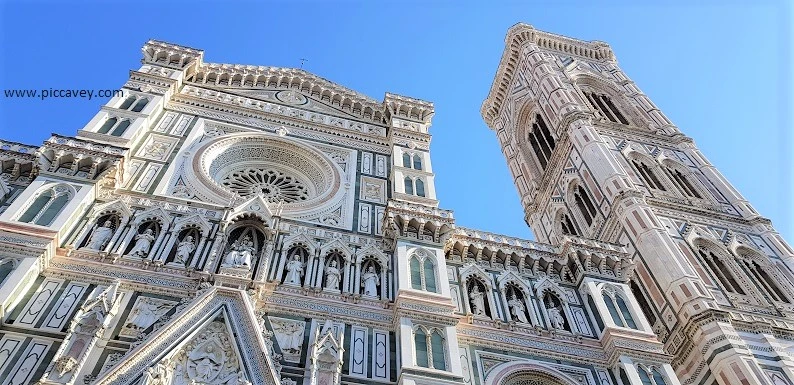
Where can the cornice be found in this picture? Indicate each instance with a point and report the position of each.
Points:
(520, 35)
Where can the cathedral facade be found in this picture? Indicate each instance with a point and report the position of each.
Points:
(229, 224)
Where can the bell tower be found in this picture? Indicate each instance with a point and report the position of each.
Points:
(592, 157)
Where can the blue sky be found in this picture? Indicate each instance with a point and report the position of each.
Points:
(720, 70)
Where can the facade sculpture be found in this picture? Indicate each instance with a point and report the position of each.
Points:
(230, 225)
(100, 236)
(143, 243)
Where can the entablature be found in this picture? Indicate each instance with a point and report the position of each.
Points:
(422, 222)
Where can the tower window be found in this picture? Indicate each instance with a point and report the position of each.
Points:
(541, 141)
(409, 186)
(718, 268)
(766, 281)
(644, 305)
(417, 162)
(406, 160)
(420, 188)
(585, 205)
(567, 225)
(113, 127)
(604, 105)
(648, 175)
(430, 351)
(423, 273)
(618, 310)
(46, 206)
(683, 183)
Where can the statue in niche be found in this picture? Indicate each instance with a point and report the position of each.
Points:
(370, 282)
(241, 254)
(517, 309)
(157, 374)
(294, 271)
(184, 249)
(145, 313)
(143, 243)
(100, 237)
(332, 276)
(556, 319)
(477, 301)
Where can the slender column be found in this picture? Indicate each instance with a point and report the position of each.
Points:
(318, 278)
(116, 234)
(197, 253)
(155, 253)
(125, 240)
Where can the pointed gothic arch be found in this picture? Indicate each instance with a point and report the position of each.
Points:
(521, 372)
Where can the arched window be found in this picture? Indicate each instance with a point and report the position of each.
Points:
(46, 206)
(416, 273)
(430, 350)
(651, 376)
(718, 268)
(107, 126)
(406, 160)
(603, 104)
(7, 266)
(437, 348)
(429, 275)
(120, 128)
(567, 225)
(140, 105)
(420, 188)
(409, 186)
(618, 309)
(585, 205)
(541, 141)
(127, 103)
(765, 280)
(423, 273)
(648, 176)
(683, 184)
(420, 341)
(417, 162)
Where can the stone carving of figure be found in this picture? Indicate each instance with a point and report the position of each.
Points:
(145, 314)
(241, 254)
(100, 237)
(370, 282)
(143, 242)
(289, 336)
(294, 271)
(184, 249)
(555, 318)
(332, 276)
(517, 309)
(158, 374)
(205, 361)
(477, 301)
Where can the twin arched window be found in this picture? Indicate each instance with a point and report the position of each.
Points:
(648, 175)
(430, 352)
(541, 141)
(567, 225)
(410, 161)
(46, 206)
(423, 274)
(618, 310)
(414, 187)
(651, 376)
(130, 104)
(603, 104)
(585, 205)
(721, 271)
(114, 127)
(766, 281)
(682, 183)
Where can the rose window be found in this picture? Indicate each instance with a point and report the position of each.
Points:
(274, 185)
(279, 170)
